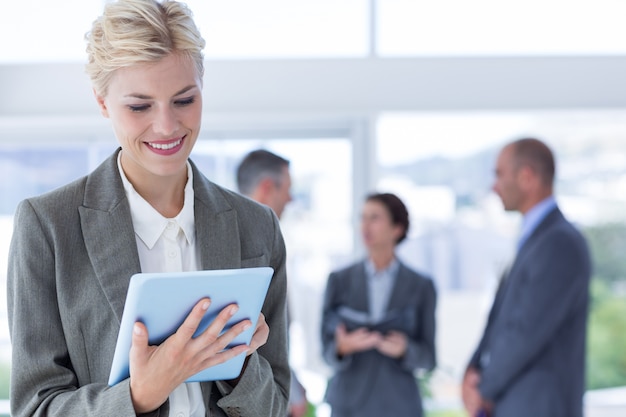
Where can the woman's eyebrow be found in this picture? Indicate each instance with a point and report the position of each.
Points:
(146, 97)
(184, 90)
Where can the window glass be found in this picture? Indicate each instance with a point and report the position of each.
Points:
(283, 28)
(44, 31)
(30, 171)
(492, 27)
(233, 29)
(244, 29)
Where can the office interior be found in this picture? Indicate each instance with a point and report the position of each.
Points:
(360, 95)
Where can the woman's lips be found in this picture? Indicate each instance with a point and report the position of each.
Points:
(166, 147)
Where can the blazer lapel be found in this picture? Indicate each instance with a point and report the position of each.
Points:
(110, 239)
(108, 233)
(360, 300)
(400, 288)
(217, 230)
(553, 216)
(505, 283)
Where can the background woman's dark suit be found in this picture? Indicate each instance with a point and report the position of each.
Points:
(369, 384)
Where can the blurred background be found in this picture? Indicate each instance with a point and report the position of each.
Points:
(413, 97)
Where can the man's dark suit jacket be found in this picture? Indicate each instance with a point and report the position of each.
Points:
(369, 384)
(532, 353)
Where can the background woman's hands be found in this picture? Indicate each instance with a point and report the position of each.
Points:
(357, 340)
(392, 344)
(155, 371)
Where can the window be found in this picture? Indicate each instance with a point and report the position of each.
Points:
(236, 29)
(283, 28)
(492, 27)
(279, 29)
(44, 31)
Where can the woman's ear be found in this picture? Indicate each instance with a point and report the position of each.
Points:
(101, 103)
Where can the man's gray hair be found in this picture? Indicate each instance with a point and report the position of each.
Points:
(258, 165)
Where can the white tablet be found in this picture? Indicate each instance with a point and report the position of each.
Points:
(163, 300)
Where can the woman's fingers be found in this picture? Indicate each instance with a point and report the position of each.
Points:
(193, 319)
(146, 396)
(219, 332)
(139, 352)
(261, 334)
(184, 355)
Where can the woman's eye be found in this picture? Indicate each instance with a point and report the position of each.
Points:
(185, 101)
(138, 109)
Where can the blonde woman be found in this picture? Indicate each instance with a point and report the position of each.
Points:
(75, 248)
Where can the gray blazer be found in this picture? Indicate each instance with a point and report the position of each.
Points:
(71, 257)
(369, 384)
(532, 353)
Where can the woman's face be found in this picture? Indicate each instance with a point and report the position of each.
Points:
(377, 228)
(156, 113)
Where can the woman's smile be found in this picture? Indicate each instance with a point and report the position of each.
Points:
(166, 147)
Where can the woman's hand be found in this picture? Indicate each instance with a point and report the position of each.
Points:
(261, 333)
(155, 371)
(356, 341)
(393, 344)
(259, 338)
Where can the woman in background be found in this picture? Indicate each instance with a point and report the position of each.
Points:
(147, 208)
(378, 324)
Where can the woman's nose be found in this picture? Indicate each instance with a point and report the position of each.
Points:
(165, 122)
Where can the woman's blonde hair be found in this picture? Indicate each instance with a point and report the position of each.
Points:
(131, 32)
